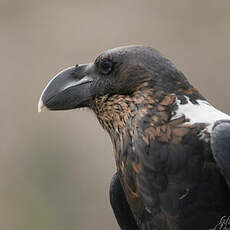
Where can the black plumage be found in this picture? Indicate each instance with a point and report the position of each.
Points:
(120, 205)
(170, 155)
(220, 144)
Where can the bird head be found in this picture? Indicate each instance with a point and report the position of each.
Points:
(119, 71)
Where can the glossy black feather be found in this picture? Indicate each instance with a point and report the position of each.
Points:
(220, 144)
(120, 205)
(180, 182)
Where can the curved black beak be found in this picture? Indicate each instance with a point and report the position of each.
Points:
(69, 89)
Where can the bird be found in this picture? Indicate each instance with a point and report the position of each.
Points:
(171, 146)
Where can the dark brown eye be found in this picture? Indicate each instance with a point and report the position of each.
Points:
(105, 66)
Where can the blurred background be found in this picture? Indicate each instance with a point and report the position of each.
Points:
(55, 167)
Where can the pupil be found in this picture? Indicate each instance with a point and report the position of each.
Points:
(106, 66)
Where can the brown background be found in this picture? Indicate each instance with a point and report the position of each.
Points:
(55, 168)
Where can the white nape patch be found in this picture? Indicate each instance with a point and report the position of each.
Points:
(203, 112)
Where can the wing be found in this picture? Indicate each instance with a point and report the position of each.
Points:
(220, 145)
(120, 205)
(168, 173)
(170, 159)
(180, 185)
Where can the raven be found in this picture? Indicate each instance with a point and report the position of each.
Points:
(170, 145)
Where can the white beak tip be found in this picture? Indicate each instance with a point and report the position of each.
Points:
(41, 106)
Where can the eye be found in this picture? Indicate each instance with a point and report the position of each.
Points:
(105, 66)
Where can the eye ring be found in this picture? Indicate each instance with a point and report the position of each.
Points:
(105, 66)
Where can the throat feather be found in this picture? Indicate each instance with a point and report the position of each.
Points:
(119, 112)
(114, 112)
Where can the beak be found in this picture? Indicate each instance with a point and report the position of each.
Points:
(69, 89)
